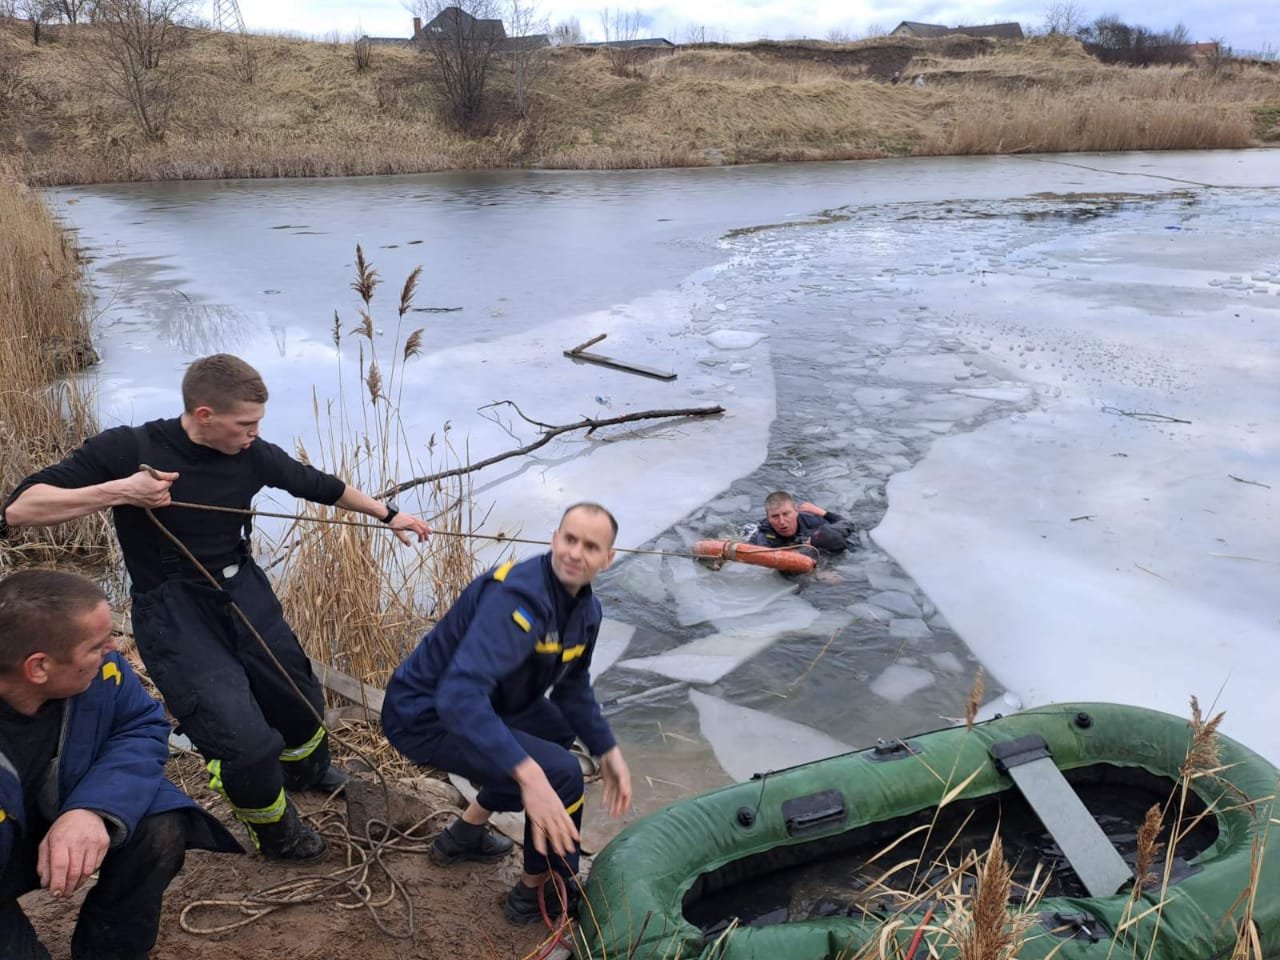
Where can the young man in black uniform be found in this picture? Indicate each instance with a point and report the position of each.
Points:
(228, 696)
(82, 786)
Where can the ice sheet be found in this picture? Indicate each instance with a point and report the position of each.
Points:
(749, 741)
(736, 640)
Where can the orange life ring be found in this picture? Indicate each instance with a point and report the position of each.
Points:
(778, 558)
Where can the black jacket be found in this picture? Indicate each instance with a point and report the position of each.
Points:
(829, 532)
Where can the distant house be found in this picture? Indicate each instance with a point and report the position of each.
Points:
(454, 21)
(644, 42)
(909, 28)
(996, 31)
(1205, 50)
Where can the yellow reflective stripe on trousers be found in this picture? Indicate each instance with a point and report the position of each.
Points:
(262, 815)
(574, 807)
(215, 776)
(294, 754)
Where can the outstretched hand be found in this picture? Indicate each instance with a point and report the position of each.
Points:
(553, 828)
(617, 782)
(812, 508)
(404, 524)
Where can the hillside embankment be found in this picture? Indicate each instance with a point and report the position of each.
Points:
(269, 106)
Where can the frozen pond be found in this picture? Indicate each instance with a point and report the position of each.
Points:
(1046, 388)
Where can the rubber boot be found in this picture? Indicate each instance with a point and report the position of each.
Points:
(289, 840)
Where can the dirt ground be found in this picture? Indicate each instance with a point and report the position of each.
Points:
(457, 911)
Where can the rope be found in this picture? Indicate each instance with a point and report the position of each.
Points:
(349, 886)
(497, 537)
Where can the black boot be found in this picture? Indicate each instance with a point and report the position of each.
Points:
(467, 841)
(522, 902)
(289, 839)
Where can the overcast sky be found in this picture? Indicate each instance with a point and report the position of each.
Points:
(1248, 24)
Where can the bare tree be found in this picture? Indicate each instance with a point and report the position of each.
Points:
(621, 27)
(37, 13)
(566, 33)
(526, 50)
(74, 10)
(142, 49)
(462, 38)
(362, 52)
(1063, 18)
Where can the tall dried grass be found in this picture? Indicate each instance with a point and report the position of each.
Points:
(357, 598)
(45, 410)
(1040, 122)
(307, 110)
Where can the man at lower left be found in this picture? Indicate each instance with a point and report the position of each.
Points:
(82, 785)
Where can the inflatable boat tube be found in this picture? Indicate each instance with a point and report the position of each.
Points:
(643, 883)
(778, 558)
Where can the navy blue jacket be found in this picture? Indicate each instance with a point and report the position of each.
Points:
(111, 757)
(512, 634)
(829, 532)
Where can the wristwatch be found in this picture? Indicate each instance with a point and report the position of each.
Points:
(392, 511)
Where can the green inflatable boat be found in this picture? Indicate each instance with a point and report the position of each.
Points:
(865, 854)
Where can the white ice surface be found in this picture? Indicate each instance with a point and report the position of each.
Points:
(735, 641)
(735, 590)
(899, 681)
(1087, 555)
(610, 645)
(747, 741)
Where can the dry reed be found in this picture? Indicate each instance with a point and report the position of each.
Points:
(309, 112)
(357, 598)
(45, 409)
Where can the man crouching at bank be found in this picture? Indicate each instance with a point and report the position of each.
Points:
(82, 785)
(473, 699)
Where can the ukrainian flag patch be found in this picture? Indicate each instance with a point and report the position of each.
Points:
(521, 616)
(111, 672)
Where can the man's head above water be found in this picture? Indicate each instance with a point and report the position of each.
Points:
(781, 512)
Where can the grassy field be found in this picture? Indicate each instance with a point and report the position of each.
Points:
(276, 106)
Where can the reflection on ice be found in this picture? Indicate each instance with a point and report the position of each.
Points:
(749, 741)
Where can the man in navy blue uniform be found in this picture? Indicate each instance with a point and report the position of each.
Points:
(82, 785)
(787, 523)
(497, 692)
(232, 699)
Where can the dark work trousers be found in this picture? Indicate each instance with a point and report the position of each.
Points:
(121, 913)
(546, 736)
(226, 693)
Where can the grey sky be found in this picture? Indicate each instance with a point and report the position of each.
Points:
(1250, 25)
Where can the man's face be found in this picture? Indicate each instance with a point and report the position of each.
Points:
(783, 518)
(66, 678)
(581, 548)
(233, 430)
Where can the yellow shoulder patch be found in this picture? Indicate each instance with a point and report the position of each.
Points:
(522, 620)
(501, 573)
(572, 653)
(111, 672)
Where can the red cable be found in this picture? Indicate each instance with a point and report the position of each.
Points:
(915, 941)
(559, 930)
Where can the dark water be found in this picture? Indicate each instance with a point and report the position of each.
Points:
(854, 876)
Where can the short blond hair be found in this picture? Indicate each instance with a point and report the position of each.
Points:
(221, 381)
